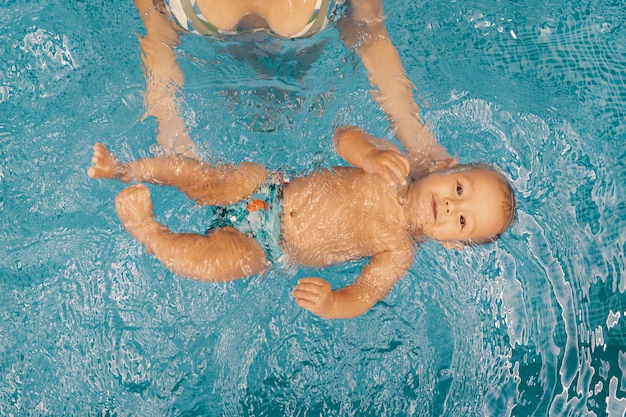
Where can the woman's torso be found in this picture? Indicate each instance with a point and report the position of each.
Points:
(284, 18)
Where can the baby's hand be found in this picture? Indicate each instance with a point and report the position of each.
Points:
(314, 294)
(393, 166)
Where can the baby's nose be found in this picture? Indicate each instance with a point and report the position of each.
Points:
(450, 207)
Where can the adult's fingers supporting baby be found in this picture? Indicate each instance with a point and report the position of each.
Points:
(452, 162)
(443, 164)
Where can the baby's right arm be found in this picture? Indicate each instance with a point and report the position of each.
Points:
(371, 154)
(377, 279)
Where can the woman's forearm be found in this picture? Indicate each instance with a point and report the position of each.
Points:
(395, 94)
(364, 29)
(163, 78)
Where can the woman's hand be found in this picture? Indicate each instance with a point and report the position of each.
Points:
(442, 164)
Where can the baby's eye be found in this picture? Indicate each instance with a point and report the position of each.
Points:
(462, 221)
(459, 189)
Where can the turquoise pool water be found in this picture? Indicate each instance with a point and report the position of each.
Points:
(532, 325)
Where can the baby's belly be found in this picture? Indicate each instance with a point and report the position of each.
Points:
(320, 240)
(315, 251)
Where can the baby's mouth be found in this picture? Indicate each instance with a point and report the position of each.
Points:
(434, 206)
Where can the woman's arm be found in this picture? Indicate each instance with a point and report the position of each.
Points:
(163, 77)
(364, 29)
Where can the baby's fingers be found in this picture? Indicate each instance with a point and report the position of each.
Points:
(313, 294)
(400, 169)
(396, 170)
(309, 291)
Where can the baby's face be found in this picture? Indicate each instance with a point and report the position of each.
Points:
(461, 206)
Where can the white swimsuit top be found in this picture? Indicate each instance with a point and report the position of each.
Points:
(189, 17)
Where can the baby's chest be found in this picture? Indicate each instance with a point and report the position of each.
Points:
(339, 235)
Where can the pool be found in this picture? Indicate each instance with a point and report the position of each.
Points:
(534, 324)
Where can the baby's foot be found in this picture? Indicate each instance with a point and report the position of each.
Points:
(106, 166)
(135, 210)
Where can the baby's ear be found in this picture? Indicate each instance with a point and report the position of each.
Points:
(450, 244)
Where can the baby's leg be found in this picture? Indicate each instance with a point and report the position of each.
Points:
(222, 255)
(203, 182)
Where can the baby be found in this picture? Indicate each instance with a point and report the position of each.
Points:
(326, 217)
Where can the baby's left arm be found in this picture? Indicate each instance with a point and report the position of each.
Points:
(373, 155)
(377, 279)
